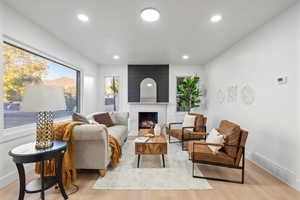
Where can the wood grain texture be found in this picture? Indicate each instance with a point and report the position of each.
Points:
(155, 145)
(259, 185)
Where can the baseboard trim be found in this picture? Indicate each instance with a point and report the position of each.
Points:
(285, 175)
(13, 176)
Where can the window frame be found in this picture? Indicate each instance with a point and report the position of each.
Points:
(27, 48)
(119, 92)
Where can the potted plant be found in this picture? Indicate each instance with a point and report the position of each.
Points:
(189, 93)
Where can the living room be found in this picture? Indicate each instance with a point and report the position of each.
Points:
(125, 68)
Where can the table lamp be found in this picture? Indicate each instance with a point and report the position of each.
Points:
(43, 100)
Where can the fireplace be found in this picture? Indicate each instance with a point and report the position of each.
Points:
(147, 119)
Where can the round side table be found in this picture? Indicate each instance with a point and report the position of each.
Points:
(27, 153)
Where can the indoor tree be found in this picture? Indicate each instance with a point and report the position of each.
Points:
(189, 93)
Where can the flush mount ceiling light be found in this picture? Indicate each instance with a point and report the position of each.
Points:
(216, 18)
(149, 85)
(185, 57)
(150, 15)
(116, 57)
(83, 17)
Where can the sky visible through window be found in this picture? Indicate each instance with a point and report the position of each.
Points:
(56, 71)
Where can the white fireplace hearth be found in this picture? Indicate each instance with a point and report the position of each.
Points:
(136, 108)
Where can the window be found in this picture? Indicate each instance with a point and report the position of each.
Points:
(111, 96)
(22, 68)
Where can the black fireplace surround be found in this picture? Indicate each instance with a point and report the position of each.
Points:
(147, 120)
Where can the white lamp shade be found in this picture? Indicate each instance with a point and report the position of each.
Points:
(40, 98)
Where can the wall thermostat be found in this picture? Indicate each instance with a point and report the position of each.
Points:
(282, 80)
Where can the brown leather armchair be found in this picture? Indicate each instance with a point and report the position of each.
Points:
(230, 156)
(184, 134)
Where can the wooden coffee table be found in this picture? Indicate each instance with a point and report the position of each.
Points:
(156, 145)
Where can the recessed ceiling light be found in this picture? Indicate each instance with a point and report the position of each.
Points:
(216, 18)
(150, 14)
(149, 85)
(116, 57)
(185, 57)
(83, 17)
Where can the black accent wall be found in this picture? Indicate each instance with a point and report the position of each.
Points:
(137, 73)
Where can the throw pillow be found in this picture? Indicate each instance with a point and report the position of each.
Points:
(103, 118)
(214, 132)
(189, 121)
(215, 137)
(79, 118)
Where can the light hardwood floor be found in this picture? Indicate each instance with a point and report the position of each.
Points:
(259, 186)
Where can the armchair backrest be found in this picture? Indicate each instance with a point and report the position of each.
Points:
(231, 133)
(234, 135)
(243, 139)
(200, 122)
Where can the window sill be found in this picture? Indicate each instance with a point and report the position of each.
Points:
(7, 135)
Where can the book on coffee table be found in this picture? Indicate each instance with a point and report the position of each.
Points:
(141, 139)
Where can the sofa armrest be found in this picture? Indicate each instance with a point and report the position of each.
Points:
(90, 132)
(120, 118)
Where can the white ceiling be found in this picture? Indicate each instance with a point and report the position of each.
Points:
(115, 27)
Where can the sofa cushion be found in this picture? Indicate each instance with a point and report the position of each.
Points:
(79, 118)
(120, 132)
(104, 118)
(232, 134)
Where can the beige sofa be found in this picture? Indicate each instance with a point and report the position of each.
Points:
(92, 149)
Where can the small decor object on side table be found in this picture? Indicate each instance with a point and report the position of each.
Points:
(28, 153)
(43, 99)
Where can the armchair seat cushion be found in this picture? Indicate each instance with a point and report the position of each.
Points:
(203, 153)
(177, 133)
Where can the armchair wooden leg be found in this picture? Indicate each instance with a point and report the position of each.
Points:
(102, 172)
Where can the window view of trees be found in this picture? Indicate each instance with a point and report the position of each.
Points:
(22, 68)
(112, 86)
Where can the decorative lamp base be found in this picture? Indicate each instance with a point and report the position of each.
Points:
(44, 130)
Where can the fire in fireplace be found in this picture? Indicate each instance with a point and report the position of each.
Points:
(147, 120)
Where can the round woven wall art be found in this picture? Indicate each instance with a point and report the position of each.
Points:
(220, 96)
(247, 95)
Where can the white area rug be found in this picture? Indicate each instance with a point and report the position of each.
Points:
(151, 176)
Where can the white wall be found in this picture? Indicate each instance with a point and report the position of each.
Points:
(175, 70)
(18, 28)
(273, 119)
